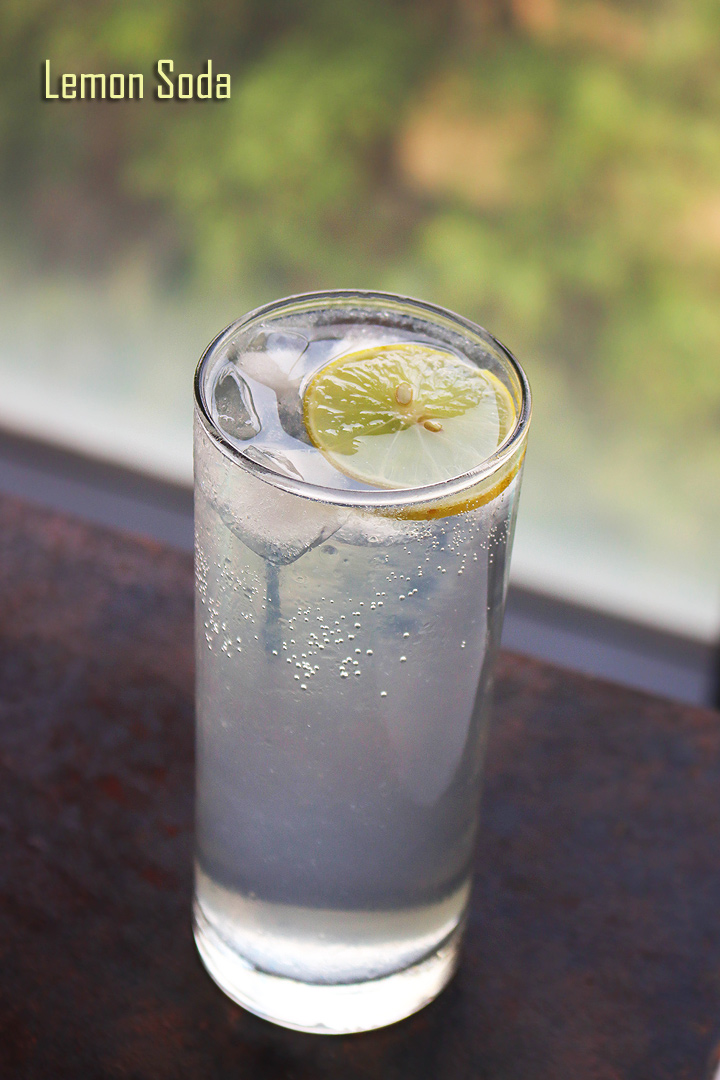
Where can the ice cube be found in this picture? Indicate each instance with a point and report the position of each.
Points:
(233, 406)
(271, 360)
(281, 349)
(290, 414)
(273, 460)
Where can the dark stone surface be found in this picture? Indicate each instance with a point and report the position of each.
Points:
(594, 945)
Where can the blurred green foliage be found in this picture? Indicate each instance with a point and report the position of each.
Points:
(548, 167)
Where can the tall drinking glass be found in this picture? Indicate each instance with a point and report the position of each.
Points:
(346, 637)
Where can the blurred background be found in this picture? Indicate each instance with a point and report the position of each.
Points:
(549, 168)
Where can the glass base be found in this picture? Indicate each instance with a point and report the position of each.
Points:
(325, 1009)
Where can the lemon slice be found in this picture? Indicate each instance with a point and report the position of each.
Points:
(406, 415)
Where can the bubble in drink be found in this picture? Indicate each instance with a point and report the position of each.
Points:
(336, 815)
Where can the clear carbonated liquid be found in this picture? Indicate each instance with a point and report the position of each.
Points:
(340, 653)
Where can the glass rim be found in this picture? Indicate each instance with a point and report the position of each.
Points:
(384, 499)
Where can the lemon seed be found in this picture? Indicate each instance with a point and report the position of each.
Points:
(432, 425)
(404, 393)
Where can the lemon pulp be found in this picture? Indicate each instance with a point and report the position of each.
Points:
(407, 415)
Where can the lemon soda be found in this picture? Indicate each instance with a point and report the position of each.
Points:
(358, 460)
